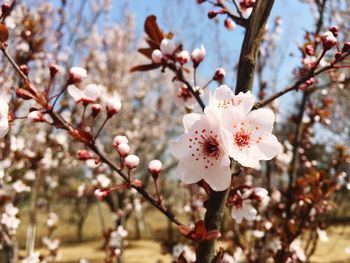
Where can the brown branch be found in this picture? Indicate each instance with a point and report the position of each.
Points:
(250, 48)
(238, 20)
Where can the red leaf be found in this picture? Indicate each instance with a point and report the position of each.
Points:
(147, 52)
(4, 33)
(144, 67)
(152, 29)
(81, 136)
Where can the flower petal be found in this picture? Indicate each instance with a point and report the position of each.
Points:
(262, 119)
(218, 178)
(188, 172)
(76, 93)
(270, 147)
(190, 119)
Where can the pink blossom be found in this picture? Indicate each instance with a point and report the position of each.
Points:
(201, 152)
(167, 46)
(328, 40)
(154, 167)
(119, 139)
(242, 208)
(37, 116)
(220, 74)
(89, 94)
(114, 106)
(183, 57)
(184, 97)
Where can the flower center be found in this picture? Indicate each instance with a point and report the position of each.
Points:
(242, 138)
(205, 147)
(210, 147)
(184, 93)
(224, 104)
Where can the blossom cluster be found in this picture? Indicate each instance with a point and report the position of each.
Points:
(229, 128)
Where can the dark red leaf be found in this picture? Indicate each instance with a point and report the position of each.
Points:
(152, 29)
(144, 67)
(4, 33)
(147, 52)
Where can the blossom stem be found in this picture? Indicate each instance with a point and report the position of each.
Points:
(157, 191)
(102, 126)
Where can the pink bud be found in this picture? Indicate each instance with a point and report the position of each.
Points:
(84, 155)
(200, 1)
(96, 109)
(113, 106)
(101, 193)
(132, 161)
(24, 69)
(119, 139)
(212, 14)
(167, 46)
(183, 57)
(229, 24)
(309, 50)
(37, 116)
(346, 47)
(123, 149)
(5, 8)
(157, 56)
(328, 40)
(334, 30)
(154, 168)
(138, 183)
(198, 55)
(220, 74)
(76, 75)
(53, 70)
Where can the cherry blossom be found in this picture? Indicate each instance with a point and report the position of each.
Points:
(249, 138)
(328, 40)
(4, 121)
(154, 167)
(183, 57)
(119, 139)
(201, 152)
(114, 105)
(89, 94)
(37, 116)
(242, 207)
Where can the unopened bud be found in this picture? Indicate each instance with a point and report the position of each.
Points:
(220, 74)
(328, 40)
(183, 57)
(212, 14)
(198, 55)
(309, 50)
(101, 193)
(76, 75)
(334, 30)
(229, 24)
(113, 106)
(123, 149)
(119, 139)
(154, 168)
(157, 56)
(132, 161)
(5, 9)
(53, 70)
(96, 109)
(346, 47)
(24, 69)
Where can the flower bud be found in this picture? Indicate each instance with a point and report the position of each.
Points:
(200, 1)
(123, 149)
(157, 56)
(346, 47)
(198, 55)
(328, 40)
(132, 161)
(338, 55)
(53, 70)
(76, 75)
(260, 194)
(113, 106)
(167, 46)
(96, 109)
(334, 30)
(220, 74)
(154, 168)
(309, 50)
(119, 139)
(212, 14)
(229, 24)
(24, 69)
(183, 57)
(5, 9)
(101, 193)
(84, 155)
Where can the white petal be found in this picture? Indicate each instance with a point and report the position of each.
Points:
(248, 157)
(4, 108)
(188, 172)
(76, 93)
(237, 214)
(92, 91)
(4, 128)
(270, 147)
(178, 147)
(263, 119)
(219, 178)
(190, 119)
(223, 92)
(249, 211)
(246, 102)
